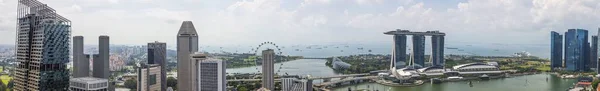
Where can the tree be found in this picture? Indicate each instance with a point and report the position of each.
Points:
(11, 83)
(595, 84)
(172, 82)
(242, 88)
(131, 84)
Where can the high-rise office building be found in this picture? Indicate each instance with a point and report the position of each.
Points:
(81, 63)
(187, 43)
(594, 52)
(598, 54)
(157, 54)
(399, 52)
(194, 59)
(268, 58)
(42, 50)
(437, 50)
(149, 78)
(586, 56)
(101, 64)
(575, 49)
(211, 74)
(556, 50)
(418, 50)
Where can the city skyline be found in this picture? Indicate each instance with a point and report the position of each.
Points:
(518, 21)
(49, 55)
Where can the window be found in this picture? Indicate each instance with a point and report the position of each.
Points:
(152, 79)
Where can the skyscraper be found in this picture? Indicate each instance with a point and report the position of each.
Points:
(187, 43)
(268, 58)
(101, 64)
(43, 39)
(575, 49)
(594, 52)
(81, 64)
(437, 50)
(418, 50)
(556, 50)
(194, 59)
(598, 53)
(399, 52)
(211, 75)
(157, 55)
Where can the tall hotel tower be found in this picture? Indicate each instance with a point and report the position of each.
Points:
(268, 58)
(187, 43)
(42, 48)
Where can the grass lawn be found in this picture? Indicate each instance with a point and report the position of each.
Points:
(1, 69)
(543, 68)
(5, 79)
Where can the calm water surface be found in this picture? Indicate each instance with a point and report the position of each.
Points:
(521, 83)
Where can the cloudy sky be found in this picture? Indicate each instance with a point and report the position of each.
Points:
(249, 22)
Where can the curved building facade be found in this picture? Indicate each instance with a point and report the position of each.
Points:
(339, 64)
(476, 67)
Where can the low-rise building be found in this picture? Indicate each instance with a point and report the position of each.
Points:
(116, 62)
(88, 84)
(337, 63)
(148, 78)
(295, 84)
(432, 70)
(475, 67)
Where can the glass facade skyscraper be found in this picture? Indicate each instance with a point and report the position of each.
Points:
(399, 60)
(437, 50)
(556, 42)
(418, 55)
(43, 39)
(594, 52)
(576, 50)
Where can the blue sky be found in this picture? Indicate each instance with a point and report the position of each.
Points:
(249, 22)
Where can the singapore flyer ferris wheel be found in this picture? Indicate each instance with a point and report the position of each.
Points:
(279, 57)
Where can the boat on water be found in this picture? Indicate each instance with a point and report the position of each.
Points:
(454, 78)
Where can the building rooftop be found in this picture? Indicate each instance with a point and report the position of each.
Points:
(406, 32)
(187, 28)
(89, 80)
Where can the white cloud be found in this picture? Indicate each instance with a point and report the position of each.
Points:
(317, 1)
(367, 2)
(169, 16)
(113, 1)
(76, 8)
(254, 21)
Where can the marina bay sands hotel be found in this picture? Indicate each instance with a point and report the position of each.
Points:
(417, 57)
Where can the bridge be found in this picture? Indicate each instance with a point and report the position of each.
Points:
(248, 80)
(325, 79)
(339, 82)
(313, 58)
(338, 76)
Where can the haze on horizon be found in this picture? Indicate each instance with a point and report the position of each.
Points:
(291, 22)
